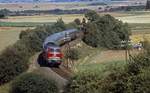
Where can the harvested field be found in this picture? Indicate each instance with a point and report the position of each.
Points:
(8, 36)
(145, 18)
(43, 6)
(42, 18)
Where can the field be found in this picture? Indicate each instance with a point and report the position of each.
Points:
(96, 58)
(9, 35)
(42, 6)
(138, 21)
(41, 19)
(22, 24)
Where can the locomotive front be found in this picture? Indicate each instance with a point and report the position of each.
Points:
(53, 55)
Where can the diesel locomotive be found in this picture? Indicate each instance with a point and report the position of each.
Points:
(52, 55)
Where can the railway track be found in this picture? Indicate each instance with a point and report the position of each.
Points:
(63, 72)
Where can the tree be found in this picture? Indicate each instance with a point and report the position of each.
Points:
(77, 21)
(91, 15)
(2, 16)
(72, 54)
(105, 31)
(148, 4)
(33, 83)
(60, 24)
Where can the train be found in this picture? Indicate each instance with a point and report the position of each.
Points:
(52, 54)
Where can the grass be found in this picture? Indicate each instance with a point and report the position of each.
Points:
(22, 24)
(42, 18)
(100, 68)
(5, 88)
(140, 37)
(8, 36)
(140, 32)
(142, 18)
(140, 27)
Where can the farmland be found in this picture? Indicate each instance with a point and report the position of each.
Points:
(42, 18)
(9, 35)
(91, 58)
(138, 21)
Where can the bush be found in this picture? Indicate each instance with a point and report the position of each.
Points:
(72, 54)
(77, 21)
(33, 83)
(13, 61)
(2, 16)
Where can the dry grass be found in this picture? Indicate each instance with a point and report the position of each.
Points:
(8, 36)
(145, 18)
(5, 88)
(140, 37)
(43, 18)
(129, 17)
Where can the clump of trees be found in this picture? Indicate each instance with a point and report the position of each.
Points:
(33, 83)
(2, 16)
(105, 31)
(148, 5)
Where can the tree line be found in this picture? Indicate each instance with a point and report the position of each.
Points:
(7, 12)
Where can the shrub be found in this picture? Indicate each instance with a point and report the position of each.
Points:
(13, 61)
(2, 16)
(72, 54)
(77, 21)
(33, 83)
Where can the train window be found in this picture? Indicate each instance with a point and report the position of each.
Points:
(57, 50)
(51, 49)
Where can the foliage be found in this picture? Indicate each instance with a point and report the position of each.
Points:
(3, 13)
(134, 77)
(72, 54)
(105, 31)
(14, 59)
(90, 77)
(33, 83)
(148, 5)
(2, 16)
(77, 21)
(37, 12)
(92, 16)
